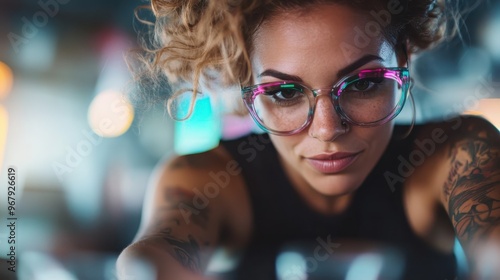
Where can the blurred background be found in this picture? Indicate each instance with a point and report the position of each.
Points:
(83, 152)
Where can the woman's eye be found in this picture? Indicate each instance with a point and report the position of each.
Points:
(365, 84)
(362, 85)
(284, 94)
(286, 97)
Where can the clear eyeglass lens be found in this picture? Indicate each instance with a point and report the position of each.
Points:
(371, 99)
(285, 108)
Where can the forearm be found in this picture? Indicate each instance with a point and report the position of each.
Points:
(177, 234)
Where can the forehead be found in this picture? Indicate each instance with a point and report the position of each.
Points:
(322, 16)
(322, 34)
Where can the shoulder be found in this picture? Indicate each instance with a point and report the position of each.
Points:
(469, 175)
(457, 169)
(446, 144)
(205, 174)
(450, 131)
(199, 167)
(208, 182)
(468, 138)
(438, 140)
(470, 193)
(471, 156)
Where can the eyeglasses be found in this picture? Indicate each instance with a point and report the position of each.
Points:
(369, 98)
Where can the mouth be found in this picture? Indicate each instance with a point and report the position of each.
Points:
(332, 163)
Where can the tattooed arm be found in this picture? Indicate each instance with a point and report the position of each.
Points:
(471, 193)
(180, 224)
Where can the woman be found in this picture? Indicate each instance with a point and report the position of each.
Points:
(325, 79)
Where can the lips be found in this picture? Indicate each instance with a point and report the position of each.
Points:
(332, 163)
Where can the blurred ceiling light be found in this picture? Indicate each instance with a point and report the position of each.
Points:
(110, 114)
(6, 80)
(487, 108)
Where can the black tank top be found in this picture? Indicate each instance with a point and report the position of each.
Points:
(283, 222)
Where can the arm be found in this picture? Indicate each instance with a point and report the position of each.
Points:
(471, 192)
(179, 229)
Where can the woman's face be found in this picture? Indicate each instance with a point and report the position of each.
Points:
(315, 45)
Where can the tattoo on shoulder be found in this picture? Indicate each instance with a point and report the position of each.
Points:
(187, 252)
(184, 202)
(472, 189)
(177, 194)
(179, 209)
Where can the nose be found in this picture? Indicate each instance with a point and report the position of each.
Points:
(326, 124)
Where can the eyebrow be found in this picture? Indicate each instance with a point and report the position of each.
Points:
(341, 73)
(280, 75)
(357, 64)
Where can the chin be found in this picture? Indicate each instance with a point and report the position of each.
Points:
(336, 185)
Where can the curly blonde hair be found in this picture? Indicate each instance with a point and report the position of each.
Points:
(211, 40)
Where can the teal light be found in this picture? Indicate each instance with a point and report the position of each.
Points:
(201, 132)
(462, 265)
(287, 86)
(366, 266)
(291, 265)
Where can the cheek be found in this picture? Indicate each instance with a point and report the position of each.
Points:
(380, 133)
(377, 138)
(285, 145)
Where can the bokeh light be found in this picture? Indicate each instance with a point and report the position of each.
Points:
(367, 266)
(6, 80)
(110, 114)
(487, 108)
(4, 122)
(39, 266)
(291, 265)
(201, 131)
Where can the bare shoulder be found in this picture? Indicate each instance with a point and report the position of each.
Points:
(442, 151)
(194, 205)
(206, 188)
(464, 176)
(466, 147)
(439, 146)
(471, 191)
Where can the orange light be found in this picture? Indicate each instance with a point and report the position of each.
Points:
(489, 109)
(6, 80)
(110, 114)
(4, 123)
